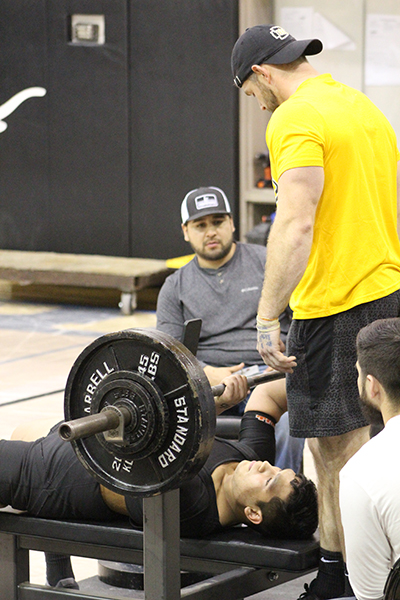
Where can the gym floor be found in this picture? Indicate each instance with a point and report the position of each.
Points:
(41, 340)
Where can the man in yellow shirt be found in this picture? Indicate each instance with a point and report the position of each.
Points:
(333, 251)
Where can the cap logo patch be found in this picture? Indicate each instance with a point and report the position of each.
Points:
(206, 201)
(278, 32)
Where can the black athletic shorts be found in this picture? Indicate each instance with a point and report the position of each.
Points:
(322, 391)
(46, 479)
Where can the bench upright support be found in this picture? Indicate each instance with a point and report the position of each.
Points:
(161, 545)
(14, 566)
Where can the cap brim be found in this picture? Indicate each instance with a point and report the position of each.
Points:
(294, 50)
(205, 213)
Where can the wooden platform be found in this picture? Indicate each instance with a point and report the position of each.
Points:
(128, 275)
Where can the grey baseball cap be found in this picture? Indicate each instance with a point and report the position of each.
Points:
(267, 44)
(204, 201)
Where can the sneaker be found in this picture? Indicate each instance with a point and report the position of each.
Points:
(68, 583)
(308, 594)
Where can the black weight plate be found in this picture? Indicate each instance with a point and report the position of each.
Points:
(148, 427)
(153, 358)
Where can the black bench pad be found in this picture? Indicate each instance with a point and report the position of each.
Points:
(239, 562)
(238, 545)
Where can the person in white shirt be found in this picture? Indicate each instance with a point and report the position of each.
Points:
(370, 481)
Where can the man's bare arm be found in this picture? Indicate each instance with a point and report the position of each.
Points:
(270, 398)
(289, 247)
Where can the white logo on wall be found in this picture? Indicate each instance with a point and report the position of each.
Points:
(12, 104)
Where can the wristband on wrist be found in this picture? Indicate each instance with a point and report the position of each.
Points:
(267, 325)
(265, 319)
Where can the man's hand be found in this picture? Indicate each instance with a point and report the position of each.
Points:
(215, 375)
(271, 347)
(236, 389)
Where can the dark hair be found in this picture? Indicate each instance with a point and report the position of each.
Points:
(378, 354)
(295, 518)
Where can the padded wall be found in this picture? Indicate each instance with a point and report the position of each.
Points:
(88, 137)
(24, 207)
(183, 112)
(100, 164)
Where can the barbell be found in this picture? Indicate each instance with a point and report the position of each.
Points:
(140, 411)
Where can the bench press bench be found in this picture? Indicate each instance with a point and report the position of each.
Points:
(128, 275)
(240, 561)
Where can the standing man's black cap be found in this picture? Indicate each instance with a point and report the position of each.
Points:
(267, 44)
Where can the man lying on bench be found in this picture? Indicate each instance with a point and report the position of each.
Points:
(237, 484)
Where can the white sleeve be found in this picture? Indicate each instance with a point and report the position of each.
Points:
(368, 552)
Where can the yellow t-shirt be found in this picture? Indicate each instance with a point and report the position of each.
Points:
(355, 254)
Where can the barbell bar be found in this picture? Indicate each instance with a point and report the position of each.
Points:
(252, 381)
(140, 411)
(109, 419)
